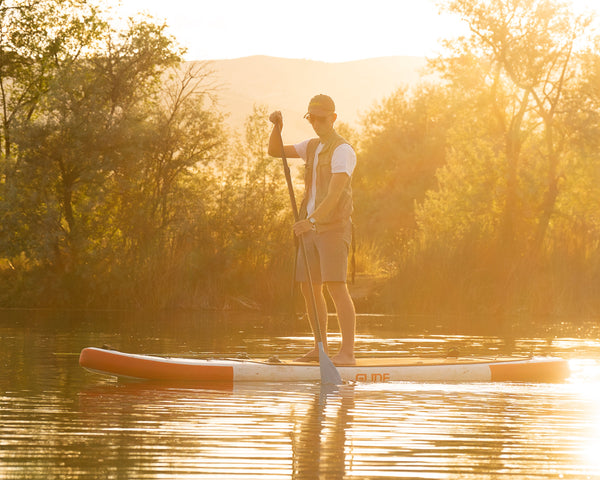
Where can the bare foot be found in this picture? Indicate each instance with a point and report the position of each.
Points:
(312, 356)
(344, 359)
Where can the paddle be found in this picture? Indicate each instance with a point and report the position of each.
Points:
(329, 374)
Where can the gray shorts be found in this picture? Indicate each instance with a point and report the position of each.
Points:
(327, 254)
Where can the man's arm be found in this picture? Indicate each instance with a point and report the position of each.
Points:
(275, 139)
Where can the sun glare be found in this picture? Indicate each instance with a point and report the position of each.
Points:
(585, 380)
(592, 447)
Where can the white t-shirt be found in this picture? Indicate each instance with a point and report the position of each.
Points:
(343, 160)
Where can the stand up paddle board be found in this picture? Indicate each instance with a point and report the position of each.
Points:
(416, 369)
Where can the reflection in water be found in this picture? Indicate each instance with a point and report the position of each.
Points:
(354, 431)
(300, 431)
(275, 431)
(319, 441)
(58, 421)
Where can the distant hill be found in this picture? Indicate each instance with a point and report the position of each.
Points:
(288, 84)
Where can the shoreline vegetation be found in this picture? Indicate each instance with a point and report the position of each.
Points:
(122, 187)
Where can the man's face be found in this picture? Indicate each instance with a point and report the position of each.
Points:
(322, 124)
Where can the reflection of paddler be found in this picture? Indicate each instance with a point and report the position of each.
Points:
(318, 445)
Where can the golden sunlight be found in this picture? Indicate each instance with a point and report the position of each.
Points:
(591, 449)
(585, 380)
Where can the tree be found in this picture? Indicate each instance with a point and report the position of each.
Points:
(260, 217)
(105, 171)
(70, 141)
(402, 146)
(525, 65)
(165, 196)
(36, 39)
(515, 82)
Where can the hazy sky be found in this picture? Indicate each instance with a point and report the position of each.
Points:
(328, 30)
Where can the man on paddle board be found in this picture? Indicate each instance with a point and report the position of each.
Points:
(325, 220)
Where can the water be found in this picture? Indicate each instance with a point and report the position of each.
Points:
(58, 421)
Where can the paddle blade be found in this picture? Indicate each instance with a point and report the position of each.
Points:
(329, 374)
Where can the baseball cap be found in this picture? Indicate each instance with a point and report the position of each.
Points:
(321, 105)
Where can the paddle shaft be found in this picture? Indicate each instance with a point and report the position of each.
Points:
(288, 179)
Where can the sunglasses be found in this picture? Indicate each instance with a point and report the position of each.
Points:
(311, 117)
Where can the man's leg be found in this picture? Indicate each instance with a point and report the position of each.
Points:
(321, 312)
(317, 287)
(344, 307)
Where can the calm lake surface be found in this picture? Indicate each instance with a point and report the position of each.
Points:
(58, 421)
